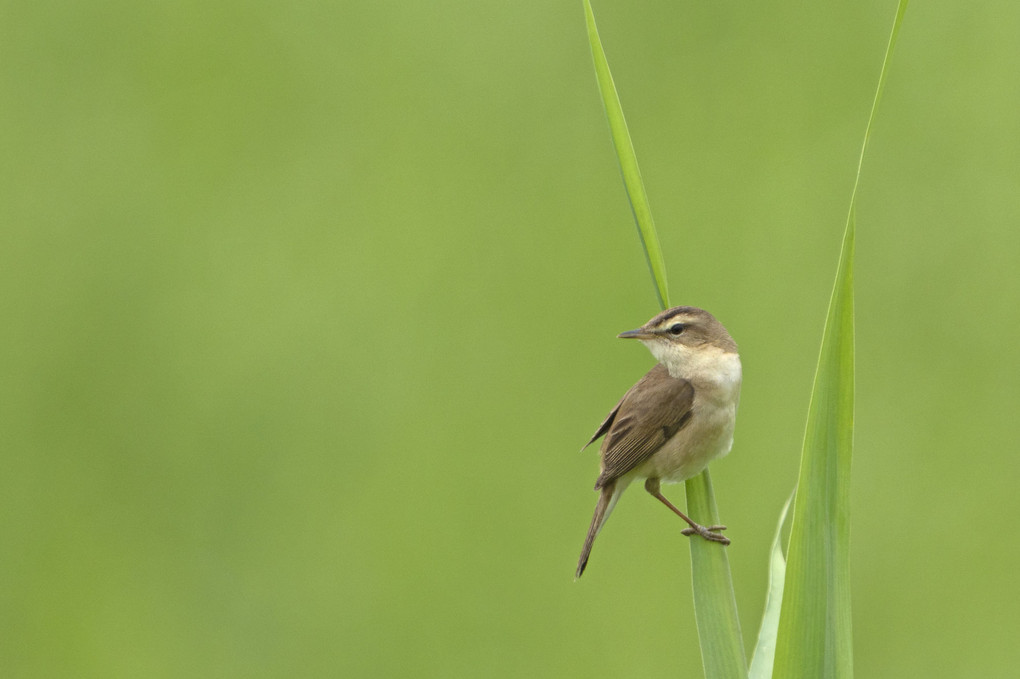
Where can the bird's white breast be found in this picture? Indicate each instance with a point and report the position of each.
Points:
(716, 377)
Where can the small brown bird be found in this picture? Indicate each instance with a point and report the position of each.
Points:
(675, 420)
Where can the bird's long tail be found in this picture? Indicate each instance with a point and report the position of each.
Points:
(608, 495)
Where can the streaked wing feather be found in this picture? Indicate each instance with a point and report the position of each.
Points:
(650, 414)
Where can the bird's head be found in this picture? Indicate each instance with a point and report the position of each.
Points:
(683, 337)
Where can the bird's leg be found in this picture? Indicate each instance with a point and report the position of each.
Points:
(707, 532)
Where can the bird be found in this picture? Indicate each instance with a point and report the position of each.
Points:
(675, 420)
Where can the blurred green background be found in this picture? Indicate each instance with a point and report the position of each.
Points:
(308, 308)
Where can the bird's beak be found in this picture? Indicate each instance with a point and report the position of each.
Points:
(638, 333)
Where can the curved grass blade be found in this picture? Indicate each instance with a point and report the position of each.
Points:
(628, 162)
(815, 639)
(722, 647)
(765, 650)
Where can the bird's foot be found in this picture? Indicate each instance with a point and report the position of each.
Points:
(708, 532)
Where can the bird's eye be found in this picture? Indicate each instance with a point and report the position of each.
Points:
(676, 328)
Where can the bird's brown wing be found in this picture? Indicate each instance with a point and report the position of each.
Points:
(647, 416)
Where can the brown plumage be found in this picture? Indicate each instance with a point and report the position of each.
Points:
(676, 418)
(636, 429)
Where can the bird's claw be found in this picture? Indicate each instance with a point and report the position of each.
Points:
(709, 533)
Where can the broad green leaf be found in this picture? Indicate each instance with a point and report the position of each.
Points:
(628, 162)
(815, 639)
(765, 649)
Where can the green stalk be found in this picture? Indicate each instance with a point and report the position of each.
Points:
(715, 605)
